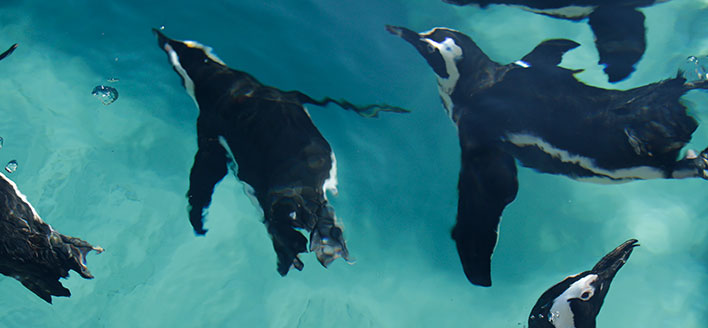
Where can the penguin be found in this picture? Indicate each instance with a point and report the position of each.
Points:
(576, 301)
(8, 51)
(617, 24)
(274, 148)
(32, 252)
(538, 113)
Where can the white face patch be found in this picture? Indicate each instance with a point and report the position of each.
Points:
(561, 316)
(604, 175)
(188, 83)
(570, 12)
(331, 183)
(23, 198)
(451, 53)
(208, 51)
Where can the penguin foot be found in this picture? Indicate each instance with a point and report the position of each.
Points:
(327, 239)
(328, 245)
(702, 163)
(692, 165)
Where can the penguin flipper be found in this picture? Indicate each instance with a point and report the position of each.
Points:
(487, 184)
(365, 110)
(210, 166)
(8, 51)
(620, 39)
(549, 52)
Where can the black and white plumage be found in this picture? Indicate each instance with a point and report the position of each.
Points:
(576, 301)
(34, 253)
(278, 151)
(617, 24)
(539, 114)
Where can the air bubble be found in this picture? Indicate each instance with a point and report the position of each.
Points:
(2, 142)
(695, 69)
(107, 95)
(11, 166)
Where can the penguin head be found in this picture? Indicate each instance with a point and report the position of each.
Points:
(456, 60)
(189, 59)
(442, 48)
(576, 301)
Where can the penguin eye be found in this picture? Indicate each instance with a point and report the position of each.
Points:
(431, 49)
(585, 296)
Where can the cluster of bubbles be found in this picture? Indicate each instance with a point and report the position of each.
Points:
(695, 69)
(106, 94)
(11, 165)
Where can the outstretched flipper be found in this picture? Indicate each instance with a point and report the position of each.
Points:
(549, 52)
(365, 111)
(620, 39)
(210, 166)
(487, 184)
(8, 51)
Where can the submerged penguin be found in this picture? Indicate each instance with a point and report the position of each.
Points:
(34, 253)
(576, 301)
(278, 151)
(617, 24)
(538, 113)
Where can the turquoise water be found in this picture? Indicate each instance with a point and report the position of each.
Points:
(116, 175)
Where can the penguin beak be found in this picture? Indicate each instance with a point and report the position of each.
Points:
(607, 267)
(162, 40)
(411, 37)
(431, 55)
(406, 34)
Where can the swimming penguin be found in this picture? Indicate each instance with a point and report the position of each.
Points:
(34, 253)
(539, 114)
(617, 24)
(279, 152)
(8, 51)
(576, 301)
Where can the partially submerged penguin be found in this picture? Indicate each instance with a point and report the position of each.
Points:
(278, 151)
(576, 301)
(537, 113)
(617, 24)
(34, 253)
